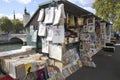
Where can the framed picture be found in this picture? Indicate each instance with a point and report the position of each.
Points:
(91, 28)
(85, 28)
(87, 36)
(91, 20)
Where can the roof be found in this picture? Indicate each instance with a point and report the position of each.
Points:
(68, 7)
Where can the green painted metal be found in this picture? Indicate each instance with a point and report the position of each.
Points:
(29, 40)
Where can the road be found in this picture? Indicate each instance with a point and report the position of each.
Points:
(108, 67)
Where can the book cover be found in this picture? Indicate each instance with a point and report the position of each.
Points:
(28, 67)
(85, 28)
(20, 71)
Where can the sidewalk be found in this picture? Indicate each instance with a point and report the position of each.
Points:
(108, 67)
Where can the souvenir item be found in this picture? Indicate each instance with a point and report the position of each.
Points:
(87, 45)
(80, 21)
(82, 36)
(91, 20)
(92, 37)
(58, 34)
(28, 67)
(63, 11)
(59, 14)
(97, 28)
(42, 29)
(41, 15)
(91, 28)
(70, 20)
(85, 28)
(56, 52)
(49, 33)
(20, 71)
(91, 24)
(40, 75)
(81, 45)
(45, 45)
(87, 36)
(49, 15)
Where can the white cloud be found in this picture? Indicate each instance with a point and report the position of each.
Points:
(73, 1)
(24, 1)
(90, 9)
(1, 15)
(7, 1)
(10, 16)
(83, 2)
(86, 1)
(20, 1)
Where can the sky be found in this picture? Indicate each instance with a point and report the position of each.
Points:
(8, 7)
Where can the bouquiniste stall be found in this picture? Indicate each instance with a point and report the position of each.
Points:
(67, 35)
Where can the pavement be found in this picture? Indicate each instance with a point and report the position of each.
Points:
(107, 67)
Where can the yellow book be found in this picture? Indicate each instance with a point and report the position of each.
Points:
(28, 67)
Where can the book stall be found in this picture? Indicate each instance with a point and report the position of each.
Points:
(23, 64)
(65, 36)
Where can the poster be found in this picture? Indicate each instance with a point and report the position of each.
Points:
(58, 34)
(56, 52)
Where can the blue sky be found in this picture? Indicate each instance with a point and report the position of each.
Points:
(7, 7)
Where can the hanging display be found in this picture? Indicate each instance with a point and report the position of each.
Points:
(56, 52)
(49, 15)
(45, 45)
(42, 29)
(49, 33)
(41, 15)
(70, 20)
(59, 13)
(58, 34)
(80, 21)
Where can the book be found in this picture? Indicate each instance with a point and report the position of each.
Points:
(28, 67)
(20, 71)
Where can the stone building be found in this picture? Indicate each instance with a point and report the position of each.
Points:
(26, 17)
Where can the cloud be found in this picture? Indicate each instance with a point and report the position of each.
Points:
(90, 9)
(86, 1)
(1, 15)
(7, 1)
(10, 16)
(20, 1)
(24, 1)
(83, 2)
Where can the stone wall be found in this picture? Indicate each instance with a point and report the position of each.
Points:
(4, 37)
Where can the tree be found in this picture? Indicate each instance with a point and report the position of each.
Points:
(6, 25)
(109, 10)
(17, 25)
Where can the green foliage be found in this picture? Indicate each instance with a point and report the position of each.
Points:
(6, 25)
(17, 25)
(109, 10)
